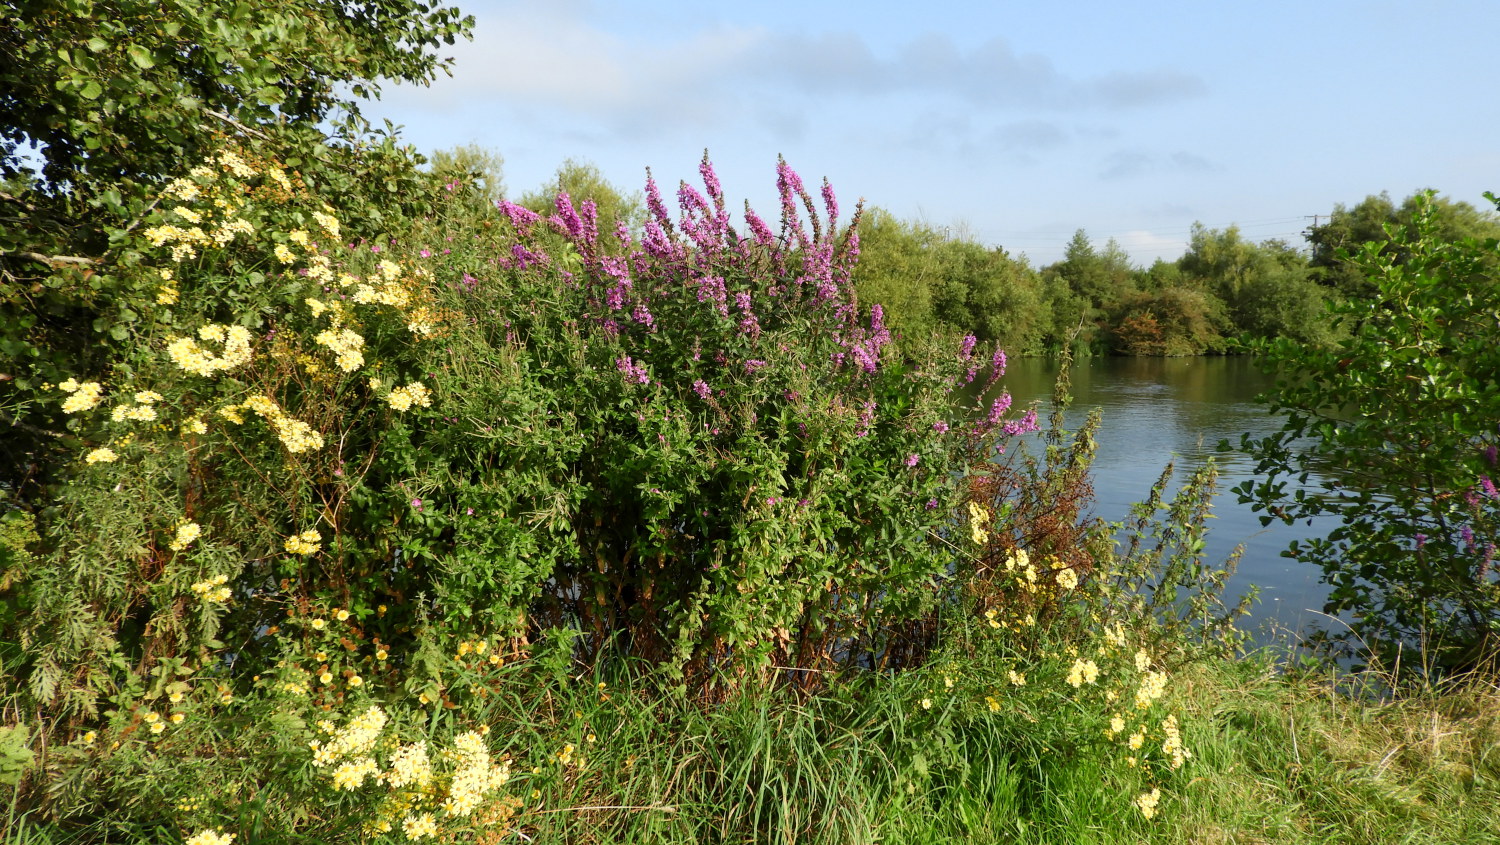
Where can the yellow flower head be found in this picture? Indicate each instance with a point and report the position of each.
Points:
(86, 395)
(306, 543)
(187, 532)
(1067, 579)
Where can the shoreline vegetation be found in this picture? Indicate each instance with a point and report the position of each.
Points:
(349, 500)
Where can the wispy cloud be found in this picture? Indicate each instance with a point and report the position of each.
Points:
(1126, 164)
(554, 56)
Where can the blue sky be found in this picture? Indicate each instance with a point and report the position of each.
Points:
(1014, 122)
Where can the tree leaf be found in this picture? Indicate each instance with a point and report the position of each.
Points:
(141, 56)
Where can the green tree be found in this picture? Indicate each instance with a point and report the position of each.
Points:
(103, 103)
(1101, 277)
(1396, 422)
(1349, 229)
(476, 165)
(899, 268)
(1265, 287)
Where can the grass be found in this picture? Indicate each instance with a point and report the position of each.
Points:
(1278, 758)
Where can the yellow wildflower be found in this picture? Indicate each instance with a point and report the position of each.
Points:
(187, 532)
(306, 543)
(86, 395)
(211, 837)
(1067, 579)
(418, 827)
(102, 455)
(416, 393)
(1147, 802)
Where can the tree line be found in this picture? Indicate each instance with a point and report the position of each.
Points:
(1224, 288)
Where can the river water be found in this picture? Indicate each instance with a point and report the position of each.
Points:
(1160, 409)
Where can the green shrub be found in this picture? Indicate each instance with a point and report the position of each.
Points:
(1393, 431)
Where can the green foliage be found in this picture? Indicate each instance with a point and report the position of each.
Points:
(1392, 430)
(928, 280)
(1265, 288)
(113, 101)
(15, 756)
(472, 164)
(1348, 230)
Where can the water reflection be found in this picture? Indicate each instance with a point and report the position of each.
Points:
(1158, 409)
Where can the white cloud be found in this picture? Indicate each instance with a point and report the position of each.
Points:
(556, 56)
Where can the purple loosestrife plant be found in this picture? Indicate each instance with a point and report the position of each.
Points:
(656, 513)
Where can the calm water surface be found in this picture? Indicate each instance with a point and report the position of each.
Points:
(1161, 409)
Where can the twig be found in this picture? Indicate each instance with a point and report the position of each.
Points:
(53, 260)
(236, 124)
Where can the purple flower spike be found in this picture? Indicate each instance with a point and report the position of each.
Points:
(520, 216)
(633, 371)
(913, 459)
(567, 217)
(830, 203)
(701, 388)
(998, 408)
(654, 204)
(1025, 425)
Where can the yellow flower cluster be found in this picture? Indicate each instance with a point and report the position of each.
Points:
(1083, 672)
(351, 774)
(102, 455)
(329, 223)
(416, 827)
(357, 739)
(979, 520)
(1153, 686)
(1067, 579)
(187, 532)
(1147, 801)
(306, 543)
(348, 345)
(142, 411)
(1172, 742)
(187, 354)
(475, 775)
(296, 436)
(85, 395)
(213, 589)
(402, 398)
(410, 766)
(211, 837)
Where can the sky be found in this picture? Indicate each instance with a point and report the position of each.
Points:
(1012, 123)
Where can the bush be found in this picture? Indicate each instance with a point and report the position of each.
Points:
(1393, 431)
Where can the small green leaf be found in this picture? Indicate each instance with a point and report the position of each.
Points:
(141, 56)
(98, 45)
(92, 90)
